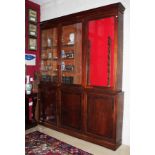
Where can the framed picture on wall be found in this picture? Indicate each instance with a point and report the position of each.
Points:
(30, 59)
(32, 15)
(33, 30)
(32, 44)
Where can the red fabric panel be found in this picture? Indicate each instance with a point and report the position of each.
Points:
(98, 32)
(30, 5)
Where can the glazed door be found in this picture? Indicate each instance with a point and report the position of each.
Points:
(101, 52)
(49, 55)
(71, 54)
(48, 102)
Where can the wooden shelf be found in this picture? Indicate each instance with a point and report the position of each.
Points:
(69, 71)
(67, 59)
(46, 59)
(45, 48)
(68, 45)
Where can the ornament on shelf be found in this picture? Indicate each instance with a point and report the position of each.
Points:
(71, 39)
(28, 85)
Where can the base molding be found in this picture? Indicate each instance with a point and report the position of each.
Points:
(108, 144)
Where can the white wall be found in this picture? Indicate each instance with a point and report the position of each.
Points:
(57, 8)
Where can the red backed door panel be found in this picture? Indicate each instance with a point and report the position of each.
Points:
(99, 31)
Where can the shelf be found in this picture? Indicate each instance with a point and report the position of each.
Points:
(46, 59)
(68, 71)
(45, 48)
(67, 59)
(55, 58)
(68, 45)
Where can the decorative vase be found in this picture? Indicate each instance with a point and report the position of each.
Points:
(28, 85)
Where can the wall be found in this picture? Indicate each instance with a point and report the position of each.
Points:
(30, 5)
(57, 8)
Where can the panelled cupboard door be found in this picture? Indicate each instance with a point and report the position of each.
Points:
(100, 115)
(71, 109)
(48, 103)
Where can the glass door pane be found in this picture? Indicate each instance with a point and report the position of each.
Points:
(71, 54)
(101, 52)
(49, 55)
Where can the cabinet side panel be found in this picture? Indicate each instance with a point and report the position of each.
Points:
(120, 106)
(120, 52)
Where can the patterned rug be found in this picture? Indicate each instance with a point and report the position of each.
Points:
(37, 143)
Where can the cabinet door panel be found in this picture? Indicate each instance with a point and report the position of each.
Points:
(48, 104)
(49, 55)
(71, 54)
(100, 115)
(101, 52)
(71, 110)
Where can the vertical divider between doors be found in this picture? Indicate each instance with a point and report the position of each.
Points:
(59, 78)
(84, 75)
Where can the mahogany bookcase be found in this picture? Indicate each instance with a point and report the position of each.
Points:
(80, 91)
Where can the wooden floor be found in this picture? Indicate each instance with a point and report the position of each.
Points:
(86, 146)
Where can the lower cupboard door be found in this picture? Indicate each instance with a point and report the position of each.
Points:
(71, 110)
(48, 105)
(100, 115)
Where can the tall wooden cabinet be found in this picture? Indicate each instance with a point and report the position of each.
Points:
(80, 89)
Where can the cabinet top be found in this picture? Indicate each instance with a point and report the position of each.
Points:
(107, 10)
